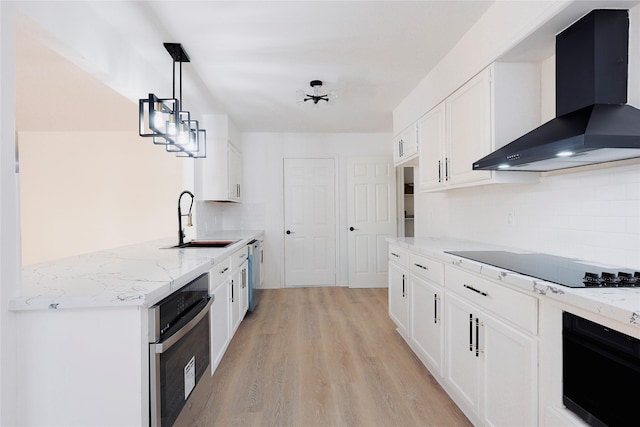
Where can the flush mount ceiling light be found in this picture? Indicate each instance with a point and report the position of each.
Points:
(316, 96)
(164, 119)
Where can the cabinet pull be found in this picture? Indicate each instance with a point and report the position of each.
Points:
(395, 255)
(422, 266)
(435, 308)
(471, 288)
(224, 270)
(446, 168)
(439, 171)
(403, 286)
(470, 332)
(477, 335)
(231, 290)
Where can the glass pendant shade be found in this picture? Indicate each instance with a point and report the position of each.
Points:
(157, 116)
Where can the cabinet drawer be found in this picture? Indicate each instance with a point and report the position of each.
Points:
(398, 255)
(219, 273)
(430, 269)
(239, 257)
(516, 307)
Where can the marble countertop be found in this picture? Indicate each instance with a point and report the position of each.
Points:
(620, 304)
(134, 275)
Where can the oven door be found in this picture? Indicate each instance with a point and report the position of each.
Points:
(176, 365)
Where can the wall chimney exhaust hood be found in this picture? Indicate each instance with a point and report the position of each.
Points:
(593, 123)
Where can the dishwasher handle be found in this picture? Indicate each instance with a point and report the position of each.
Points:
(163, 346)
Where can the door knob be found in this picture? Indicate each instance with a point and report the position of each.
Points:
(353, 229)
(288, 231)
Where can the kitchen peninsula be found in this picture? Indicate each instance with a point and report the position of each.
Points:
(83, 328)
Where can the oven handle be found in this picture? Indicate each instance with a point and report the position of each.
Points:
(161, 347)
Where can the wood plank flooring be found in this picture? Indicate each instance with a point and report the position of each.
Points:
(321, 357)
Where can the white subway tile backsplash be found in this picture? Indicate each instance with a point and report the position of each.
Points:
(588, 214)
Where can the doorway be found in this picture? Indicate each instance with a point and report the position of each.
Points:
(309, 222)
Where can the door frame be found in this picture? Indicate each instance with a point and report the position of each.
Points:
(336, 202)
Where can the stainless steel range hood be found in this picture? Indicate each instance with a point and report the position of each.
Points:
(593, 124)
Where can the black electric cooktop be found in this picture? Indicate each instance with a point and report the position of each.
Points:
(562, 271)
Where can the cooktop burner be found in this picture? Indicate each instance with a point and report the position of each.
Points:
(562, 271)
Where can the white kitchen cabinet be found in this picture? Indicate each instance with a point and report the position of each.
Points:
(239, 294)
(495, 107)
(398, 286)
(426, 331)
(405, 146)
(218, 177)
(491, 366)
(220, 322)
(426, 325)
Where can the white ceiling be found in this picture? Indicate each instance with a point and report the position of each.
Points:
(248, 59)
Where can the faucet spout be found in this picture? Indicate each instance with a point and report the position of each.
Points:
(180, 215)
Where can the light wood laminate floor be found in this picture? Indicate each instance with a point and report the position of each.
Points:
(321, 357)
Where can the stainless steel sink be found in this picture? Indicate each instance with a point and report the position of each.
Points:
(206, 244)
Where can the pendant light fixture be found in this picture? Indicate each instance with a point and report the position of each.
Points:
(164, 119)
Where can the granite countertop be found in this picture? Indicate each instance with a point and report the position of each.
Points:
(620, 304)
(134, 275)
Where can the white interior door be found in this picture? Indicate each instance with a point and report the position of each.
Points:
(371, 199)
(310, 222)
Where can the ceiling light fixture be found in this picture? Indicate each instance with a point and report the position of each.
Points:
(316, 96)
(164, 120)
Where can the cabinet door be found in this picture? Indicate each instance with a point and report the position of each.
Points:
(398, 297)
(431, 134)
(469, 129)
(235, 298)
(462, 359)
(426, 321)
(220, 323)
(509, 375)
(235, 174)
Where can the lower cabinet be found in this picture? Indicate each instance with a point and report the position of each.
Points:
(220, 323)
(427, 332)
(477, 337)
(398, 306)
(491, 366)
(239, 295)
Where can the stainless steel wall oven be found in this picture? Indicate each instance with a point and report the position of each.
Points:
(601, 372)
(179, 349)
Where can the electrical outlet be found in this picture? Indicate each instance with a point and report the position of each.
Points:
(511, 218)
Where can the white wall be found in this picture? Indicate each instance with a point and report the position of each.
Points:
(86, 191)
(263, 202)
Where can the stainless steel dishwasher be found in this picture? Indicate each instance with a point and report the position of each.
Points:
(255, 262)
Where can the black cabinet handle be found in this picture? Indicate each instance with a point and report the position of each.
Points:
(470, 332)
(446, 168)
(231, 290)
(477, 335)
(471, 288)
(288, 232)
(435, 308)
(404, 293)
(422, 266)
(439, 171)
(353, 229)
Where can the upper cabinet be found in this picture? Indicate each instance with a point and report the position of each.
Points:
(218, 177)
(405, 146)
(495, 107)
